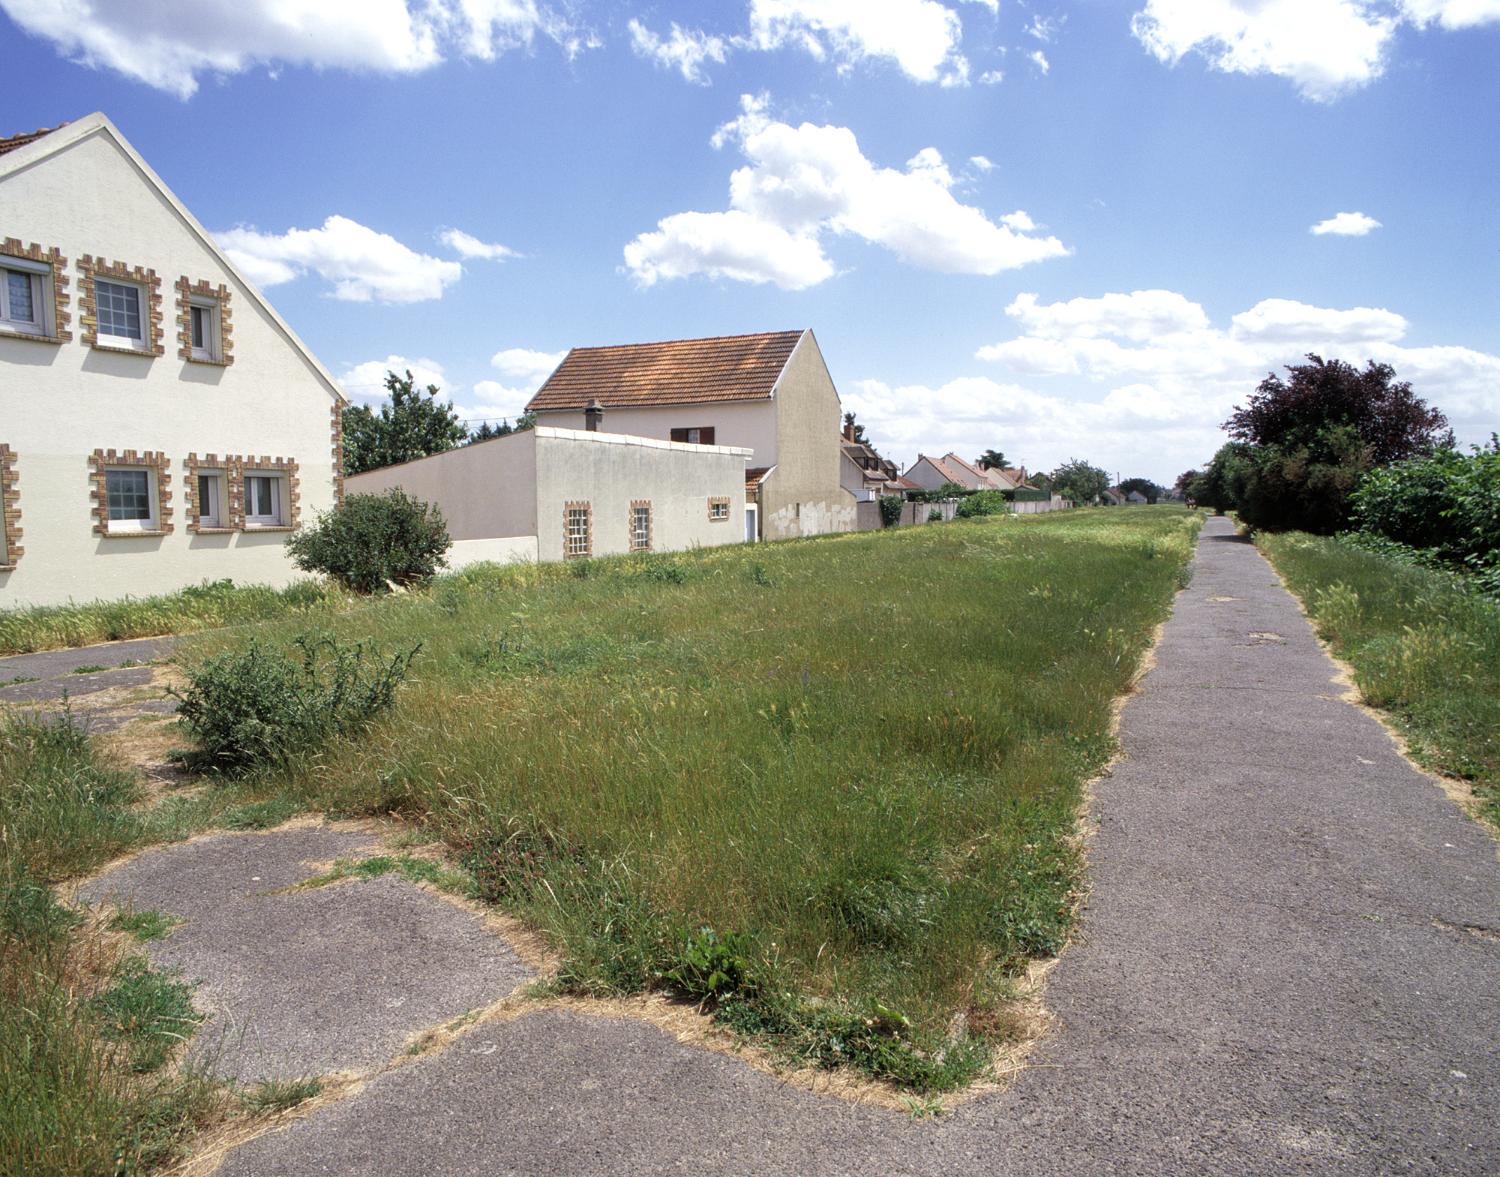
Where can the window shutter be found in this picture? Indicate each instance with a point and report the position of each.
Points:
(706, 435)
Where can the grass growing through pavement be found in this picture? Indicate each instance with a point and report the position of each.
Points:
(204, 606)
(1423, 650)
(827, 787)
(83, 1037)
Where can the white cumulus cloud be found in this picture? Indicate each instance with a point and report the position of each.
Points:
(1452, 14)
(920, 36)
(365, 382)
(362, 264)
(1346, 225)
(683, 50)
(803, 183)
(171, 44)
(466, 245)
(1039, 59)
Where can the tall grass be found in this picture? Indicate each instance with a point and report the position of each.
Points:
(1423, 648)
(83, 1040)
(204, 606)
(857, 760)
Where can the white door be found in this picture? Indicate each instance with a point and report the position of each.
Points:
(752, 530)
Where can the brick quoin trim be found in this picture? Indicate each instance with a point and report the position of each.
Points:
(10, 510)
(337, 416)
(252, 465)
(57, 289)
(187, 293)
(588, 510)
(636, 504)
(194, 466)
(88, 311)
(718, 502)
(100, 460)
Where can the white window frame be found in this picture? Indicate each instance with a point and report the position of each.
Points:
(152, 522)
(142, 303)
(578, 544)
(212, 335)
(640, 541)
(41, 277)
(211, 514)
(718, 510)
(277, 518)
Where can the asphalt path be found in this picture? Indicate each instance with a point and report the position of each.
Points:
(1289, 963)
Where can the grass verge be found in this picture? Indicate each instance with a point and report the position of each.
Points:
(827, 788)
(1424, 650)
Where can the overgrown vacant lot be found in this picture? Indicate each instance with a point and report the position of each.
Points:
(830, 785)
(1422, 648)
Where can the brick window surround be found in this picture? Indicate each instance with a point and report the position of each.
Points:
(200, 292)
(586, 548)
(55, 291)
(337, 416)
(636, 505)
(151, 313)
(252, 465)
(718, 510)
(10, 510)
(209, 464)
(154, 460)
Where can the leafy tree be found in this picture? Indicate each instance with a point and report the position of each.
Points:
(1077, 480)
(990, 460)
(859, 430)
(1309, 439)
(411, 425)
(1447, 504)
(1145, 486)
(1182, 488)
(486, 431)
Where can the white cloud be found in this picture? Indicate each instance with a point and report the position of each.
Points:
(526, 365)
(920, 36)
(1324, 47)
(523, 370)
(1039, 59)
(170, 44)
(1346, 225)
(801, 183)
(362, 264)
(1150, 378)
(466, 245)
(991, 77)
(1044, 28)
(365, 383)
(982, 163)
(1452, 14)
(684, 50)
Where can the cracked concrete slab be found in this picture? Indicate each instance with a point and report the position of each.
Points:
(1275, 974)
(306, 982)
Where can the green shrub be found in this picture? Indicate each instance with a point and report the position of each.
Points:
(369, 542)
(935, 515)
(1446, 505)
(983, 502)
(259, 706)
(890, 510)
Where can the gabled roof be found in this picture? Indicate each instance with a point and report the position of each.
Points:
(674, 372)
(15, 142)
(956, 470)
(20, 152)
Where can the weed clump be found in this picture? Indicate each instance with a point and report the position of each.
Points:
(259, 707)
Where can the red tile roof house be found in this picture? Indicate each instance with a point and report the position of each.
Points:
(770, 393)
(933, 473)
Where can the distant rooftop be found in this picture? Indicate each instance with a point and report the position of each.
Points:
(26, 137)
(674, 372)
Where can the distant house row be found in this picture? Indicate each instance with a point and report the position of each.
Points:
(163, 426)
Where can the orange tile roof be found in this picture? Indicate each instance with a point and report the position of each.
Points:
(26, 137)
(675, 372)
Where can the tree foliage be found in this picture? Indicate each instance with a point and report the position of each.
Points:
(1145, 486)
(1446, 504)
(487, 431)
(1309, 439)
(369, 541)
(858, 430)
(1077, 480)
(412, 424)
(1221, 485)
(990, 460)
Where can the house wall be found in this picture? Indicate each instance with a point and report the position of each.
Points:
(926, 475)
(486, 491)
(609, 471)
(803, 495)
(747, 424)
(61, 401)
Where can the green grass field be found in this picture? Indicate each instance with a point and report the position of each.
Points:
(829, 784)
(1424, 650)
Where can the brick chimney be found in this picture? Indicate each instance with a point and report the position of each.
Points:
(593, 416)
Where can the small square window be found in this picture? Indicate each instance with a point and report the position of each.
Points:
(21, 301)
(203, 324)
(640, 527)
(264, 499)
(577, 540)
(210, 486)
(117, 310)
(130, 499)
(718, 510)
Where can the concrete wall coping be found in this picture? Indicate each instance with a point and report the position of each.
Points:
(653, 443)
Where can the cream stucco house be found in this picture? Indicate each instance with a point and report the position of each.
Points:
(562, 494)
(160, 424)
(769, 393)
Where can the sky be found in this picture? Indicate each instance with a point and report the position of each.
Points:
(1058, 230)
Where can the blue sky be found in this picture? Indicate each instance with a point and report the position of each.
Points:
(1054, 229)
